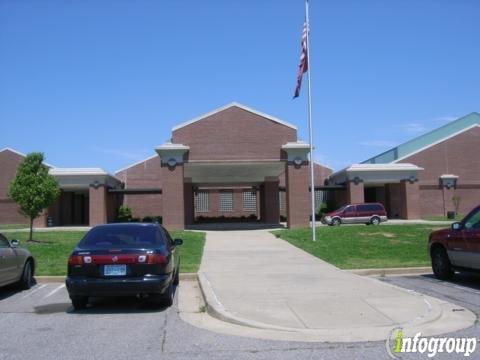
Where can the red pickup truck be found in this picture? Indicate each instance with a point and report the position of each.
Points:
(457, 248)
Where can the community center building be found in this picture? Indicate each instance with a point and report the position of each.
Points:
(238, 164)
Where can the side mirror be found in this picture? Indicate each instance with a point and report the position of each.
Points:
(14, 243)
(178, 242)
(456, 226)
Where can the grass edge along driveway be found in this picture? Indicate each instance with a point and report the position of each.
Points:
(365, 247)
(51, 258)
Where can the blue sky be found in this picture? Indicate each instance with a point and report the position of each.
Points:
(101, 83)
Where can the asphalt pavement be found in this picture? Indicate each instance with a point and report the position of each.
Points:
(40, 324)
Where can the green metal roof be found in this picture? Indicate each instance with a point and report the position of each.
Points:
(426, 140)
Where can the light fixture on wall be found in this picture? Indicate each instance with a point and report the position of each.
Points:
(298, 161)
(412, 179)
(172, 162)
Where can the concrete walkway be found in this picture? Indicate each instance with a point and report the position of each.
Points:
(251, 278)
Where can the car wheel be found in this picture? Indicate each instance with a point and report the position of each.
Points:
(336, 222)
(27, 276)
(167, 298)
(375, 220)
(442, 269)
(80, 302)
(176, 279)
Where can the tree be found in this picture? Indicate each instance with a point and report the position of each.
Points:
(33, 189)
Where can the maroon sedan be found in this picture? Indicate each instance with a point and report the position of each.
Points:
(457, 248)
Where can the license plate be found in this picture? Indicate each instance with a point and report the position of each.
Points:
(115, 270)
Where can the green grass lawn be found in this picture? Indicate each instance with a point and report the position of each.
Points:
(12, 226)
(52, 257)
(362, 247)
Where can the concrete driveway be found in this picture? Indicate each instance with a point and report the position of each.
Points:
(252, 278)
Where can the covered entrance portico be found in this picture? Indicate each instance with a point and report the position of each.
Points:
(183, 180)
(394, 185)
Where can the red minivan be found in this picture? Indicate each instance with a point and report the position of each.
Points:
(366, 213)
(456, 248)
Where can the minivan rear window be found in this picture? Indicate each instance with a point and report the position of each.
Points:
(123, 237)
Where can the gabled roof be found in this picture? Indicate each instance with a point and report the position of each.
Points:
(234, 104)
(427, 140)
(22, 155)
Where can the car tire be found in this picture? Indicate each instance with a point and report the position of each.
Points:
(336, 222)
(26, 281)
(167, 298)
(176, 279)
(375, 220)
(442, 269)
(79, 302)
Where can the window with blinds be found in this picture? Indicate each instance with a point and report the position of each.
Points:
(250, 201)
(201, 201)
(226, 201)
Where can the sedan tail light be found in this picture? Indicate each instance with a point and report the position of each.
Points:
(75, 260)
(156, 259)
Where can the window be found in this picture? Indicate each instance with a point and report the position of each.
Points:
(473, 221)
(250, 201)
(319, 198)
(282, 199)
(124, 236)
(3, 242)
(350, 210)
(201, 201)
(226, 201)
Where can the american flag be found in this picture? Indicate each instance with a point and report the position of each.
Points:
(303, 67)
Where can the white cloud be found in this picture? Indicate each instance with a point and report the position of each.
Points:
(444, 119)
(414, 127)
(378, 143)
(131, 155)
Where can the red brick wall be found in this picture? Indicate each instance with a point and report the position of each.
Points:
(458, 156)
(320, 174)
(144, 175)
(232, 134)
(9, 214)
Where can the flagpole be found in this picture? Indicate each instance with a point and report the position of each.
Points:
(310, 124)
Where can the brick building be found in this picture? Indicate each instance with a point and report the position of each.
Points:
(237, 162)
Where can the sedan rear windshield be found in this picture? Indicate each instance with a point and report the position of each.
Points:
(123, 236)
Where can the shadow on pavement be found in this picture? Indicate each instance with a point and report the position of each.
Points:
(11, 290)
(106, 305)
(466, 279)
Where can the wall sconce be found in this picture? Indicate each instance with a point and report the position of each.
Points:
(172, 162)
(298, 161)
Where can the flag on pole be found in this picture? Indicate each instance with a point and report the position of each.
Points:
(303, 67)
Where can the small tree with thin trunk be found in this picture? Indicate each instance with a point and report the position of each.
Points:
(33, 189)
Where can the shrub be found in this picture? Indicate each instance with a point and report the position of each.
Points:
(124, 214)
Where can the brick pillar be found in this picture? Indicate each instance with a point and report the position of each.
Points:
(298, 195)
(173, 200)
(355, 192)
(97, 205)
(448, 194)
(189, 203)
(410, 195)
(272, 202)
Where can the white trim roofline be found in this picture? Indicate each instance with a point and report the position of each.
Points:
(23, 155)
(136, 163)
(435, 143)
(232, 104)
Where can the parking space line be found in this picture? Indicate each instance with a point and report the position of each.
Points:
(58, 288)
(31, 292)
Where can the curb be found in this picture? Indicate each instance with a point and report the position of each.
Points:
(392, 271)
(61, 279)
(427, 322)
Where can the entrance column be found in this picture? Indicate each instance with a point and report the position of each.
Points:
(271, 201)
(189, 202)
(410, 194)
(98, 204)
(297, 184)
(173, 189)
(355, 191)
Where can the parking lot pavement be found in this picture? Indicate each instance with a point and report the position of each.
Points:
(40, 324)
